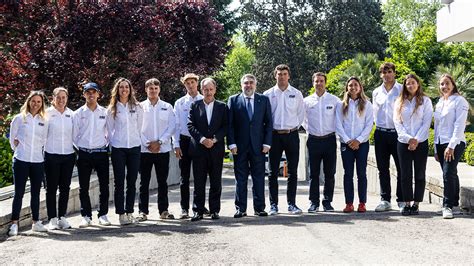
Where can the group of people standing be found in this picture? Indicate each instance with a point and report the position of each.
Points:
(142, 135)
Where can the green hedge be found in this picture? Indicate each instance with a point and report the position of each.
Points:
(6, 174)
(468, 156)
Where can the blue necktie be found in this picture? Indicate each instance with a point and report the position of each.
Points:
(249, 108)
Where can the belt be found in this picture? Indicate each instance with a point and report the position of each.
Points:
(103, 149)
(392, 130)
(184, 137)
(322, 137)
(284, 131)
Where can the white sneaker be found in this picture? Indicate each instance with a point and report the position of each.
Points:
(123, 219)
(383, 206)
(131, 218)
(141, 217)
(86, 221)
(400, 206)
(53, 224)
(103, 220)
(63, 223)
(38, 227)
(447, 213)
(13, 231)
(166, 215)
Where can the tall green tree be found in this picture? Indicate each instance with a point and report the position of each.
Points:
(422, 53)
(309, 36)
(238, 62)
(225, 16)
(352, 28)
(404, 16)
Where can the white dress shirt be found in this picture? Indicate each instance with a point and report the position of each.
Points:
(353, 125)
(31, 134)
(158, 125)
(90, 128)
(209, 108)
(382, 102)
(413, 125)
(59, 140)
(450, 120)
(287, 107)
(124, 129)
(181, 111)
(320, 114)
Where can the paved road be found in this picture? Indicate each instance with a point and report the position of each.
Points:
(327, 238)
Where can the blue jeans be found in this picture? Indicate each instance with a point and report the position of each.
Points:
(349, 156)
(21, 171)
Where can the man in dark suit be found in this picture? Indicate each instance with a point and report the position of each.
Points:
(249, 139)
(208, 126)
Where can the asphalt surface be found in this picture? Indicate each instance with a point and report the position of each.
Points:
(322, 238)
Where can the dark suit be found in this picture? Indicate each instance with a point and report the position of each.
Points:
(249, 135)
(207, 161)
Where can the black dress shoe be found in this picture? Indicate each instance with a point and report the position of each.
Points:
(206, 212)
(239, 214)
(196, 217)
(414, 209)
(215, 216)
(406, 210)
(261, 213)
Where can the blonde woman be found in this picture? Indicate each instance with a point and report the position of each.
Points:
(412, 118)
(59, 159)
(450, 141)
(124, 121)
(28, 132)
(354, 121)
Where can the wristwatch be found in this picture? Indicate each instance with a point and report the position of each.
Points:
(160, 142)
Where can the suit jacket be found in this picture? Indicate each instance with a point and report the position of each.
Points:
(249, 133)
(198, 128)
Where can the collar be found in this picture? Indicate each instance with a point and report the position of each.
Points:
(356, 101)
(251, 96)
(322, 96)
(209, 104)
(193, 98)
(277, 89)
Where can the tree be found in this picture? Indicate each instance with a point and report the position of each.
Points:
(422, 53)
(464, 81)
(404, 16)
(366, 68)
(353, 27)
(309, 36)
(53, 45)
(238, 62)
(225, 16)
(363, 66)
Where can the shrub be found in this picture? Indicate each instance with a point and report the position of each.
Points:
(6, 154)
(469, 154)
(371, 137)
(431, 143)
